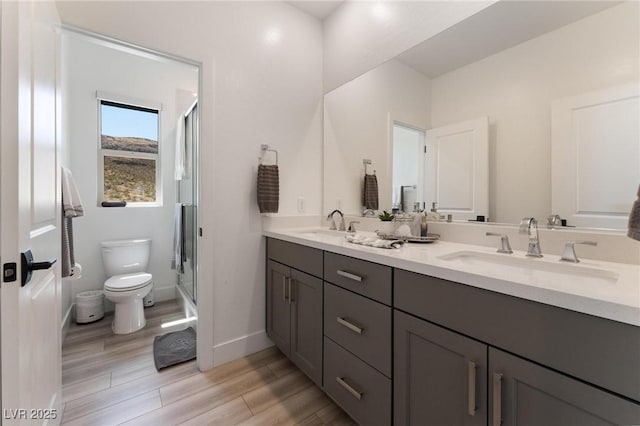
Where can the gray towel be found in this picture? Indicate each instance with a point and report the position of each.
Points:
(634, 219)
(370, 192)
(268, 188)
(68, 257)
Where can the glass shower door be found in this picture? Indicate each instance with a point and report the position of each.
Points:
(187, 195)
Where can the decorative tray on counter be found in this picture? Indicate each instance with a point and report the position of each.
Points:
(430, 238)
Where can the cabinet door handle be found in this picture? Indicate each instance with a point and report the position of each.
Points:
(284, 288)
(290, 293)
(497, 399)
(471, 382)
(352, 391)
(349, 275)
(349, 325)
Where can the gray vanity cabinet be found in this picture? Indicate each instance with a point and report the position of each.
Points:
(439, 376)
(527, 394)
(294, 304)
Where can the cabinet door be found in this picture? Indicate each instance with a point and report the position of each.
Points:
(439, 376)
(524, 393)
(306, 324)
(278, 305)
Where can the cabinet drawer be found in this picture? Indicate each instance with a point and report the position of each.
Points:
(300, 257)
(363, 392)
(366, 278)
(360, 325)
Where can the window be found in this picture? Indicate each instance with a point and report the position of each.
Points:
(128, 153)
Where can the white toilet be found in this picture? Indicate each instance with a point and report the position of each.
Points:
(125, 262)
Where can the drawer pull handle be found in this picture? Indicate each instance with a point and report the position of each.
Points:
(349, 325)
(352, 391)
(471, 382)
(497, 399)
(349, 275)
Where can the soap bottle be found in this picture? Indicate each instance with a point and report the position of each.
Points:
(423, 224)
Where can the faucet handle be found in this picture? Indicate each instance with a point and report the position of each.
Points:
(504, 240)
(569, 254)
(352, 227)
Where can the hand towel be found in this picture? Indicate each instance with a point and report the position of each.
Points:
(179, 172)
(71, 202)
(370, 193)
(634, 219)
(177, 259)
(268, 188)
(374, 242)
(71, 207)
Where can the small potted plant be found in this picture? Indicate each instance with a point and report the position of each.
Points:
(386, 226)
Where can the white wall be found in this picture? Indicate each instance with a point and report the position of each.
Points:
(515, 88)
(92, 67)
(261, 83)
(358, 125)
(360, 35)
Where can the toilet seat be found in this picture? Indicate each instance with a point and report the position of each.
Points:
(128, 282)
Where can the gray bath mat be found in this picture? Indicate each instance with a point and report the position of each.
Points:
(174, 348)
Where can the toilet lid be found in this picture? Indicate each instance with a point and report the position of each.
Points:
(128, 281)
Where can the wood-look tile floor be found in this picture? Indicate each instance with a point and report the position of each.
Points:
(110, 379)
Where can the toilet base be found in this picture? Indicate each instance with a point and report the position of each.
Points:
(128, 317)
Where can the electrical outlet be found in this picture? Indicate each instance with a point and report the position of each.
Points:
(300, 204)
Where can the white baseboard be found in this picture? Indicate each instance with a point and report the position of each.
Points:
(240, 347)
(66, 320)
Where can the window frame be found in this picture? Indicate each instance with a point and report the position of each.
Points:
(134, 104)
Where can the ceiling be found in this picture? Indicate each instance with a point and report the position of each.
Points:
(319, 9)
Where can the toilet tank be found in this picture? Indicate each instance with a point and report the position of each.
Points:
(125, 256)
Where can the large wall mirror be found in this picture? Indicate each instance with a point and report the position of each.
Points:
(541, 97)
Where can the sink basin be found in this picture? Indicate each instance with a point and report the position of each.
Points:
(536, 270)
(321, 232)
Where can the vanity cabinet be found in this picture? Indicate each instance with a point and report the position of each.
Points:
(560, 370)
(397, 347)
(294, 310)
(439, 376)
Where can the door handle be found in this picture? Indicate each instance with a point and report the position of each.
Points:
(471, 392)
(290, 293)
(28, 266)
(284, 288)
(497, 399)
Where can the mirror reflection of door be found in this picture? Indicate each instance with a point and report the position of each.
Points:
(456, 168)
(408, 167)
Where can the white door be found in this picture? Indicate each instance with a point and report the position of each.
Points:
(457, 169)
(595, 156)
(30, 212)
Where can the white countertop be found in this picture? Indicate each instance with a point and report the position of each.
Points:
(616, 298)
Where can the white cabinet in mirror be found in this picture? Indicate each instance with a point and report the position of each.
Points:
(564, 50)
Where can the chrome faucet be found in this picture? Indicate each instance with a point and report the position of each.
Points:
(352, 227)
(369, 213)
(569, 254)
(504, 240)
(333, 222)
(529, 226)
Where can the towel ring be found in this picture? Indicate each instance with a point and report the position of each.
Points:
(264, 148)
(367, 162)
